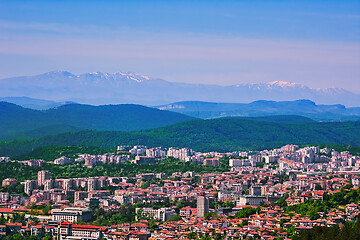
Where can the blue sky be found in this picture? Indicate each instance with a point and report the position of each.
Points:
(316, 43)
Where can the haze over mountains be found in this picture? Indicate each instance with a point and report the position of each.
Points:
(114, 88)
(304, 108)
(59, 121)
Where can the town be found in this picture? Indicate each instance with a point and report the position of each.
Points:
(269, 194)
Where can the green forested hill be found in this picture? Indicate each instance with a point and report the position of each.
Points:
(228, 134)
(20, 123)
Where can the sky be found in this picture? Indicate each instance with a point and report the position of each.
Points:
(315, 43)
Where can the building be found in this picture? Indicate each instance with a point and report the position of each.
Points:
(290, 148)
(144, 160)
(80, 195)
(155, 152)
(162, 214)
(138, 150)
(8, 181)
(4, 196)
(202, 206)
(35, 162)
(29, 186)
(255, 158)
(63, 160)
(69, 184)
(255, 190)
(271, 159)
(250, 200)
(71, 214)
(255, 200)
(43, 176)
(93, 184)
(239, 162)
(73, 231)
(215, 162)
(181, 154)
(49, 184)
(90, 161)
(5, 159)
(187, 212)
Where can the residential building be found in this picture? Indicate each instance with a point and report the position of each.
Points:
(71, 214)
(43, 175)
(202, 206)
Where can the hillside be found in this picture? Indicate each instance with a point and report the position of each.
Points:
(306, 108)
(226, 134)
(17, 122)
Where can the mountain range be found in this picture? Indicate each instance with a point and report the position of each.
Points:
(113, 88)
(306, 108)
(17, 122)
(106, 126)
(33, 103)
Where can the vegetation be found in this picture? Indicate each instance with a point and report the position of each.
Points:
(312, 208)
(175, 218)
(17, 188)
(246, 212)
(50, 153)
(347, 231)
(224, 134)
(113, 217)
(19, 123)
(23, 172)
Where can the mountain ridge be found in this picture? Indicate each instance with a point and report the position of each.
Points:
(18, 121)
(223, 135)
(114, 88)
(303, 107)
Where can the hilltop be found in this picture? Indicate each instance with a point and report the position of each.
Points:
(17, 122)
(224, 134)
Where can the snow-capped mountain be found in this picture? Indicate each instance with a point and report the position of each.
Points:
(119, 87)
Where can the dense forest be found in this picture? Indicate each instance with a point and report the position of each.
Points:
(223, 135)
(17, 122)
(23, 172)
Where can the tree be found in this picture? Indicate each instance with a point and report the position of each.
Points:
(245, 212)
(175, 218)
(191, 235)
(47, 237)
(2, 220)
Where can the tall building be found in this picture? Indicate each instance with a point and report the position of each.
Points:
(93, 184)
(69, 184)
(181, 154)
(144, 160)
(43, 176)
(30, 185)
(202, 206)
(49, 184)
(215, 162)
(255, 190)
(290, 148)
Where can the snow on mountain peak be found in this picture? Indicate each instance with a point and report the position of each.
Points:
(284, 84)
